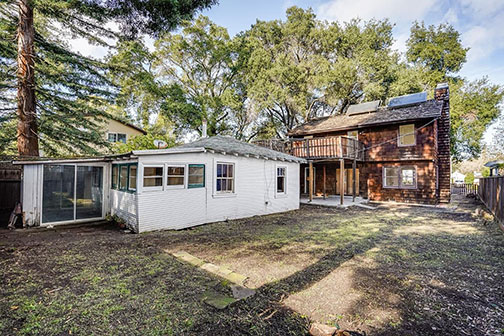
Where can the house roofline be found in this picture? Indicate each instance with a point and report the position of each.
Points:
(359, 126)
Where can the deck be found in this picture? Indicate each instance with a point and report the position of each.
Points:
(318, 148)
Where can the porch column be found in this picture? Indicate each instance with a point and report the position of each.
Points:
(324, 177)
(342, 180)
(354, 166)
(310, 180)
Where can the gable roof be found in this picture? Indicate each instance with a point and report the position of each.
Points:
(385, 115)
(229, 145)
(126, 123)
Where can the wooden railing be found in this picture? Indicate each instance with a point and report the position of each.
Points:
(318, 148)
(464, 188)
(491, 193)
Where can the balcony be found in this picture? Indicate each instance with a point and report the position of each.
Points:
(321, 148)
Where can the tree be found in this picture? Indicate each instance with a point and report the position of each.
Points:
(198, 69)
(438, 48)
(85, 18)
(474, 106)
(437, 54)
(302, 68)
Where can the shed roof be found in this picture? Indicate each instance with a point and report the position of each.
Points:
(218, 144)
(230, 145)
(384, 115)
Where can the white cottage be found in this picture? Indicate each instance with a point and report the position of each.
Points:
(209, 180)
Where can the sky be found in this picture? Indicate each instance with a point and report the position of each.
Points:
(480, 23)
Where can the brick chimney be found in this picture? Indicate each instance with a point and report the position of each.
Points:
(442, 93)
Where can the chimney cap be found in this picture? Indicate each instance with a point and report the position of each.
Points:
(442, 86)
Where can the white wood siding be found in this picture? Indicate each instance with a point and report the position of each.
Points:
(124, 205)
(255, 186)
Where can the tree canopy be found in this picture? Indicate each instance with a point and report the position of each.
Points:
(262, 82)
(70, 89)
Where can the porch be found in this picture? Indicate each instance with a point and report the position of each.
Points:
(332, 164)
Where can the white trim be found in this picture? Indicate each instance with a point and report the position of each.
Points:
(105, 182)
(283, 193)
(216, 193)
(177, 186)
(163, 177)
(399, 177)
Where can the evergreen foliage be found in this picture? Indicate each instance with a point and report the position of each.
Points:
(72, 90)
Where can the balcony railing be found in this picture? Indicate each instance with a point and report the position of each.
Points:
(333, 147)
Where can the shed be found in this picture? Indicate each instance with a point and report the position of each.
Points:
(209, 180)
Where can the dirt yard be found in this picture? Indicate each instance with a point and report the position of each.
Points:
(390, 271)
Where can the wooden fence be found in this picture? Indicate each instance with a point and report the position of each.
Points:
(10, 190)
(491, 193)
(464, 188)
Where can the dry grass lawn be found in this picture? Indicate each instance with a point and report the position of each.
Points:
(390, 271)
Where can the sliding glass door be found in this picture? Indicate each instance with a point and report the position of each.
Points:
(72, 192)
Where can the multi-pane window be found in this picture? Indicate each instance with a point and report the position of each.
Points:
(132, 183)
(123, 177)
(281, 179)
(399, 177)
(117, 137)
(153, 177)
(196, 176)
(408, 177)
(115, 176)
(407, 135)
(225, 178)
(175, 176)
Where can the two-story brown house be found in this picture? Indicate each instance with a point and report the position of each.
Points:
(400, 152)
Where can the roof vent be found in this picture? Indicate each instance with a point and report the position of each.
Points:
(411, 99)
(363, 108)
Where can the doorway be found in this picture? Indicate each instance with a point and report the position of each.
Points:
(71, 193)
(306, 175)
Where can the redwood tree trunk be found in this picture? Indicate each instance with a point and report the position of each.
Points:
(27, 135)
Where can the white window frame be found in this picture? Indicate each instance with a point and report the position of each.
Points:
(178, 186)
(224, 193)
(400, 137)
(283, 193)
(399, 175)
(115, 134)
(163, 178)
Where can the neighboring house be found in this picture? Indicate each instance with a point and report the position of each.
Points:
(400, 152)
(496, 167)
(458, 177)
(121, 131)
(212, 179)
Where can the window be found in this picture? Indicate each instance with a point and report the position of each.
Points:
(175, 176)
(399, 177)
(123, 177)
(117, 137)
(115, 176)
(407, 135)
(196, 176)
(353, 134)
(281, 179)
(225, 178)
(153, 177)
(408, 177)
(132, 183)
